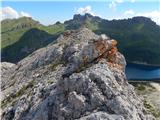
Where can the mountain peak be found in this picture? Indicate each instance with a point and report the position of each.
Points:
(22, 22)
(86, 16)
(19, 19)
(80, 76)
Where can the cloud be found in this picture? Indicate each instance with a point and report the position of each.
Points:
(132, 1)
(129, 12)
(114, 3)
(154, 15)
(24, 14)
(86, 9)
(8, 12)
(119, 1)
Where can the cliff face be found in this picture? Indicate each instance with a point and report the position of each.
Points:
(81, 76)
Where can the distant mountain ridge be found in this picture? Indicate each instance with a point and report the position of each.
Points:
(138, 37)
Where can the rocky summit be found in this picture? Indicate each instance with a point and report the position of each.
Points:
(80, 76)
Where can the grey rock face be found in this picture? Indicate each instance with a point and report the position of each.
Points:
(6, 66)
(81, 76)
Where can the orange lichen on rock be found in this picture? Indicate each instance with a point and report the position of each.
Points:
(67, 33)
(101, 46)
(113, 51)
(107, 50)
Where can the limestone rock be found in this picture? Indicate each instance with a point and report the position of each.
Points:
(6, 66)
(80, 76)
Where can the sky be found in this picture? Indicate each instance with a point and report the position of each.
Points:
(51, 11)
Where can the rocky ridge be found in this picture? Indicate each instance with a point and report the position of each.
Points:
(81, 76)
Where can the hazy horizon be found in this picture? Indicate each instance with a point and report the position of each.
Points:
(49, 12)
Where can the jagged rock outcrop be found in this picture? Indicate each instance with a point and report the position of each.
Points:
(81, 76)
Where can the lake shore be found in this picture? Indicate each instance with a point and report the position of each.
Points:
(143, 64)
(144, 80)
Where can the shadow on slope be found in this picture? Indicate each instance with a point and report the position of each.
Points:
(30, 41)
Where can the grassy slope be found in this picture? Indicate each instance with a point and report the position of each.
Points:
(21, 37)
(12, 30)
